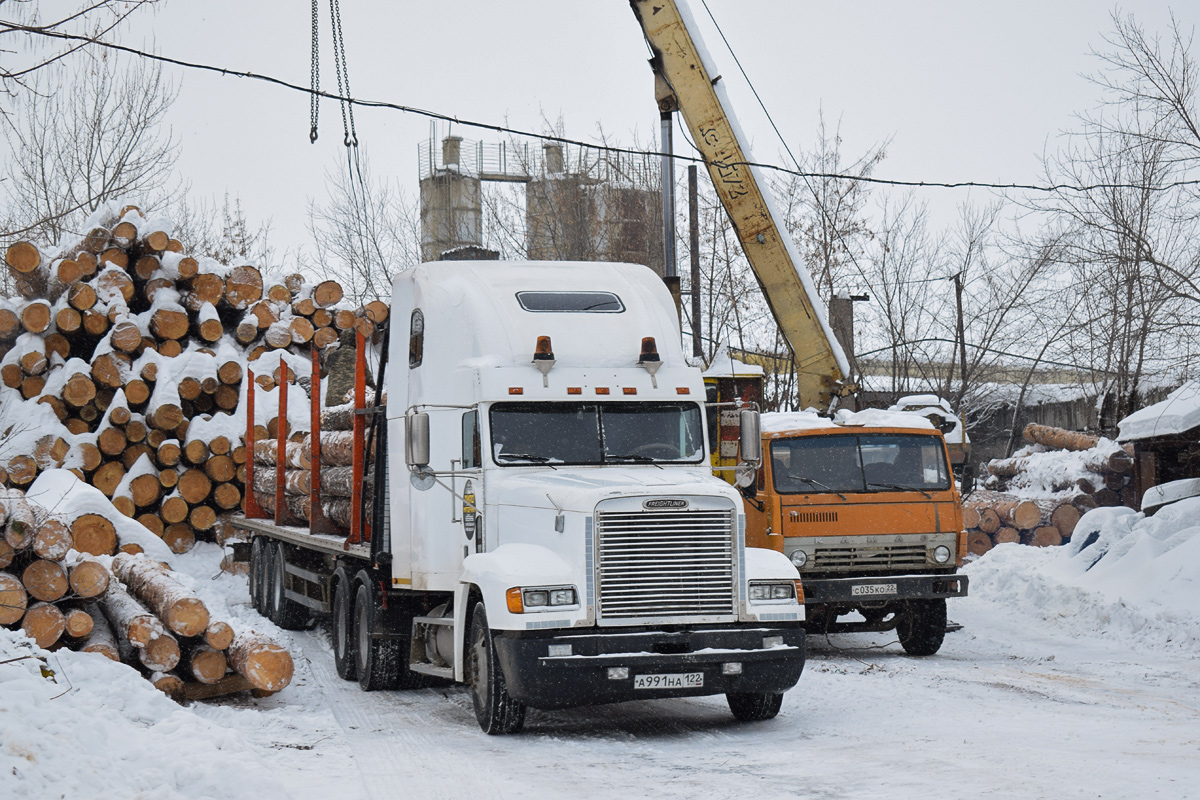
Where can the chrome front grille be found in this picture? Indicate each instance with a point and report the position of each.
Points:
(881, 557)
(678, 563)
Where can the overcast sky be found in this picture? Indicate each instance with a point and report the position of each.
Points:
(965, 91)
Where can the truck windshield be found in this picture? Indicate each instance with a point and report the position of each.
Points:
(859, 463)
(596, 433)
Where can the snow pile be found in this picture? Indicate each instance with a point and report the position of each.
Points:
(1129, 577)
(98, 729)
(1178, 413)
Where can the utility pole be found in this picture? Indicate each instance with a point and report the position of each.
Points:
(962, 342)
(694, 242)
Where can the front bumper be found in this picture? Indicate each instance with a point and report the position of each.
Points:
(820, 591)
(547, 682)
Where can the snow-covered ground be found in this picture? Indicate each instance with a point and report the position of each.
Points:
(1072, 677)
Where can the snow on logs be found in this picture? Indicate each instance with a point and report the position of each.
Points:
(139, 351)
(132, 609)
(1037, 498)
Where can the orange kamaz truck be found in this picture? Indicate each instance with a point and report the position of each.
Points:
(865, 505)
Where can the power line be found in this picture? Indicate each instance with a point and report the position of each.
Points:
(451, 118)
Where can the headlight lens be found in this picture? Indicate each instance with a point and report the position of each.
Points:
(941, 554)
(799, 558)
(528, 599)
(536, 597)
(772, 591)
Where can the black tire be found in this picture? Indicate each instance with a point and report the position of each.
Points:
(287, 614)
(495, 711)
(258, 574)
(376, 661)
(267, 584)
(343, 626)
(754, 706)
(922, 627)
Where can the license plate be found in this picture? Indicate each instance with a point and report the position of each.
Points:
(872, 588)
(685, 680)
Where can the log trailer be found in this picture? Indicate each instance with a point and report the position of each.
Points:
(883, 539)
(537, 517)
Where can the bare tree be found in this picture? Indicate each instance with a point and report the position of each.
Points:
(1131, 246)
(32, 38)
(364, 231)
(224, 233)
(825, 215)
(80, 139)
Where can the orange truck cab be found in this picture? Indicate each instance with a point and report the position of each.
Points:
(864, 504)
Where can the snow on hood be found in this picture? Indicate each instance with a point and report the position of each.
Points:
(1178, 413)
(784, 421)
(1123, 575)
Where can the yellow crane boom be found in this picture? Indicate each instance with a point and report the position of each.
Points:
(685, 81)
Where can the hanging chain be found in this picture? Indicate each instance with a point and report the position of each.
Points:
(343, 75)
(316, 79)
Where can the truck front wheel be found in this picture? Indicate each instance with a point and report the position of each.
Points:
(494, 709)
(922, 627)
(754, 706)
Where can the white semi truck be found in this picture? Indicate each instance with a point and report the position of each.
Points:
(544, 523)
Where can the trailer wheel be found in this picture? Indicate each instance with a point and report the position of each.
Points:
(922, 626)
(257, 575)
(495, 711)
(343, 626)
(754, 706)
(377, 661)
(287, 614)
(267, 584)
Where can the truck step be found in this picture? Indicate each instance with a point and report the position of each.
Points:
(430, 669)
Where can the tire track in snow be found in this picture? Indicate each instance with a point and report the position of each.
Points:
(393, 734)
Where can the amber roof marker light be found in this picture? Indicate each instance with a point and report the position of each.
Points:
(543, 358)
(650, 359)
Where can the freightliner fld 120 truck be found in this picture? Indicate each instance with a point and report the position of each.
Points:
(543, 524)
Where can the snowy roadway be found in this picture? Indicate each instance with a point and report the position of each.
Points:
(1074, 676)
(1011, 707)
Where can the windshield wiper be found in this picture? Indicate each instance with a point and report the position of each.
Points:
(637, 457)
(820, 485)
(524, 457)
(897, 488)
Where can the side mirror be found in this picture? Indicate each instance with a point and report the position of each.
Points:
(751, 436)
(416, 440)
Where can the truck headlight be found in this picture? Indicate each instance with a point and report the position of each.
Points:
(799, 558)
(521, 599)
(762, 592)
(941, 554)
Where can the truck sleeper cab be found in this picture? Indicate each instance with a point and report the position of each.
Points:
(867, 509)
(550, 533)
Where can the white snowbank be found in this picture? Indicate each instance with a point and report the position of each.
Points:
(99, 729)
(1123, 575)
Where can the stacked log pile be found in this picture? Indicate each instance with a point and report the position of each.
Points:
(140, 351)
(336, 457)
(56, 589)
(1006, 511)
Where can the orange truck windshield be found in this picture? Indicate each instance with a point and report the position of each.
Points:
(859, 463)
